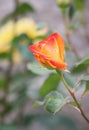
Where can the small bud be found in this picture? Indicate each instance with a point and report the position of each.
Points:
(63, 3)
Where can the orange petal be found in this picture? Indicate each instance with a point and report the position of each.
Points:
(48, 47)
(52, 62)
(60, 43)
(50, 52)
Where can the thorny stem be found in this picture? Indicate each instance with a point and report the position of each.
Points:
(73, 95)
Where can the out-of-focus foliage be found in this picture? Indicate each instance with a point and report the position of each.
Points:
(19, 72)
(12, 32)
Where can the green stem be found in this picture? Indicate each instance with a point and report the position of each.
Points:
(72, 94)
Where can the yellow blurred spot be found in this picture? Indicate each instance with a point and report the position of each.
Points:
(6, 36)
(64, 2)
(27, 26)
(13, 29)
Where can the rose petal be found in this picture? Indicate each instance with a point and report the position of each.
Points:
(50, 52)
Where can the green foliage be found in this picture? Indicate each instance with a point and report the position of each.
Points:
(51, 83)
(86, 89)
(84, 61)
(25, 53)
(16, 79)
(37, 69)
(73, 103)
(81, 66)
(79, 4)
(54, 101)
(86, 80)
(3, 55)
(50, 122)
(24, 8)
(9, 127)
(71, 10)
(18, 43)
(20, 9)
(2, 82)
(70, 79)
(38, 103)
(63, 3)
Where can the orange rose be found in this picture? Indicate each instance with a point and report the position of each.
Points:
(50, 52)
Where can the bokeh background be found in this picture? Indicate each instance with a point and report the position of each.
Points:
(23, 22)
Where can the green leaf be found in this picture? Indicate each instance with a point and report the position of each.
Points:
(86, 80)
(71, 11)
(86, 89)
(37, 69)
(24, 8)
(20, 39)
(54, 101)
(82, 80)
(84, 61)
(38, 103)
(51, 83)
(87, 85)
(2, 82)
(3, 55)
(79, 4)
(22, 48)
(73, 103)
(63, 3)
(70, 79)
(15, 44)
(81, 66)
(24, 51)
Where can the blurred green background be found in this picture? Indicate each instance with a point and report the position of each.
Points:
(23, 81)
